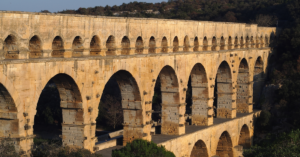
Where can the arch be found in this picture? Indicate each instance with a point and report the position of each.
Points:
(222, 43)
(244, 138)
(262, 43)
(205, 44)
(11, 47)
(247, 42)
(214, 44)
(125, 46)
(199, 149)
(252, 42)
(236, 42)
(170, 100)
(139, 45)
(258, 79)
(266, 41)
(257, 42)
(196, 44)
(224, 148)
(164, 45)
(242, 42)
(77, 47)
(243, 88)
(95, 46)
(152, 45)
(229, 43)
(186, 44)
(199, 84)
(111, 46)
(57, 47)
(223, 91)
(175, 44)
(35, 47)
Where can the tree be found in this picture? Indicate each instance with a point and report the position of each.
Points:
(113, 111)
(264, 20)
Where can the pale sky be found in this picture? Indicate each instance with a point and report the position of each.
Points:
(59, 5)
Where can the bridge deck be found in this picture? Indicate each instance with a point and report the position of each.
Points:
(160, 138)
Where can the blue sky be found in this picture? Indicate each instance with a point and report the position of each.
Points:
(58, 5)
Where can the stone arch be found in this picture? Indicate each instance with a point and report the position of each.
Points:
(252, 42)
(77, 47)
(152, 45)
(244, 138)
(262, 43)
(164, 45)
(242, 42)
(258, 79)
(214, 44)
(111, 46)
(139, 45)
(125, 43)
(224, 148)
(223, 91)
(11, 47)
(95, 46)
(170, 101)
(175, 44)
(229, 43)
(199, 84)
(35, 47)
(236, 42)
(243, 88)
(199, 149)
(247, 42)
(58, 47)
(266, 41)
(186, 44)
(222, 43)
(205, 44)
(257, 42)
(196, 44)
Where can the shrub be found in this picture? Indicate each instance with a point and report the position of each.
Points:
(7, 150)
(138, 148)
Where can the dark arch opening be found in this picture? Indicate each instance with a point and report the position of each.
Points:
(77, 47)
(229, 43)
(244, 139)
(205, 44)
(152, 45)
(252, 42)
(11, 48)
(111, 46)
(247, 42)
(222, 43)
(196, 44)
(262, 44)
(58, 47)
(139, 46)
(125, 46)
(59, 110)
(186, 44)
(164, 45)
(199, 149)
(224, 148)
(223, 92)
(236, 43)
(242, 42)
(95, 46)
(214, 44)
(197, 96)
(258, 80)
(35, 47)
(266, 41)
(243, 84)
(175, 44)
(257, 42)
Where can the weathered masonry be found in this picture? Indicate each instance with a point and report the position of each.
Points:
(226, 63)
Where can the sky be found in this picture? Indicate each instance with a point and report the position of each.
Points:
(59, 5)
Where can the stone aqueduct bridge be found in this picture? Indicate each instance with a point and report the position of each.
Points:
(81, 53)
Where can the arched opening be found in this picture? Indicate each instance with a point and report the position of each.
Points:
(111, 46)
(247, 42)
(120, 107)
(125, 46)
(139, 46)
(77, 47)
(175, 44)
(266, 41)
(152, 45)
(197, 96)
(11, 48)
(205, 44)
(186, 44)
(242, 101)
(258, 79)
(224, 148)
(262, 43)
(236, 43)
(196, 44)
(229, 43)
(170, 116)
(222, 43)
(199, 149)
(244, 139)
(257, 42)
(242, 42)
(58, 47)
(214, 44)
(35, 47)
(59, 111)
(252, 42)
(164, 45)
(223, 92)
(95, 46)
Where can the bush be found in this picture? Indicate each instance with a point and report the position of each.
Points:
(138, 148)
(7, 150)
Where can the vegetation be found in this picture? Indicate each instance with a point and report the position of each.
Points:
(138, 148)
